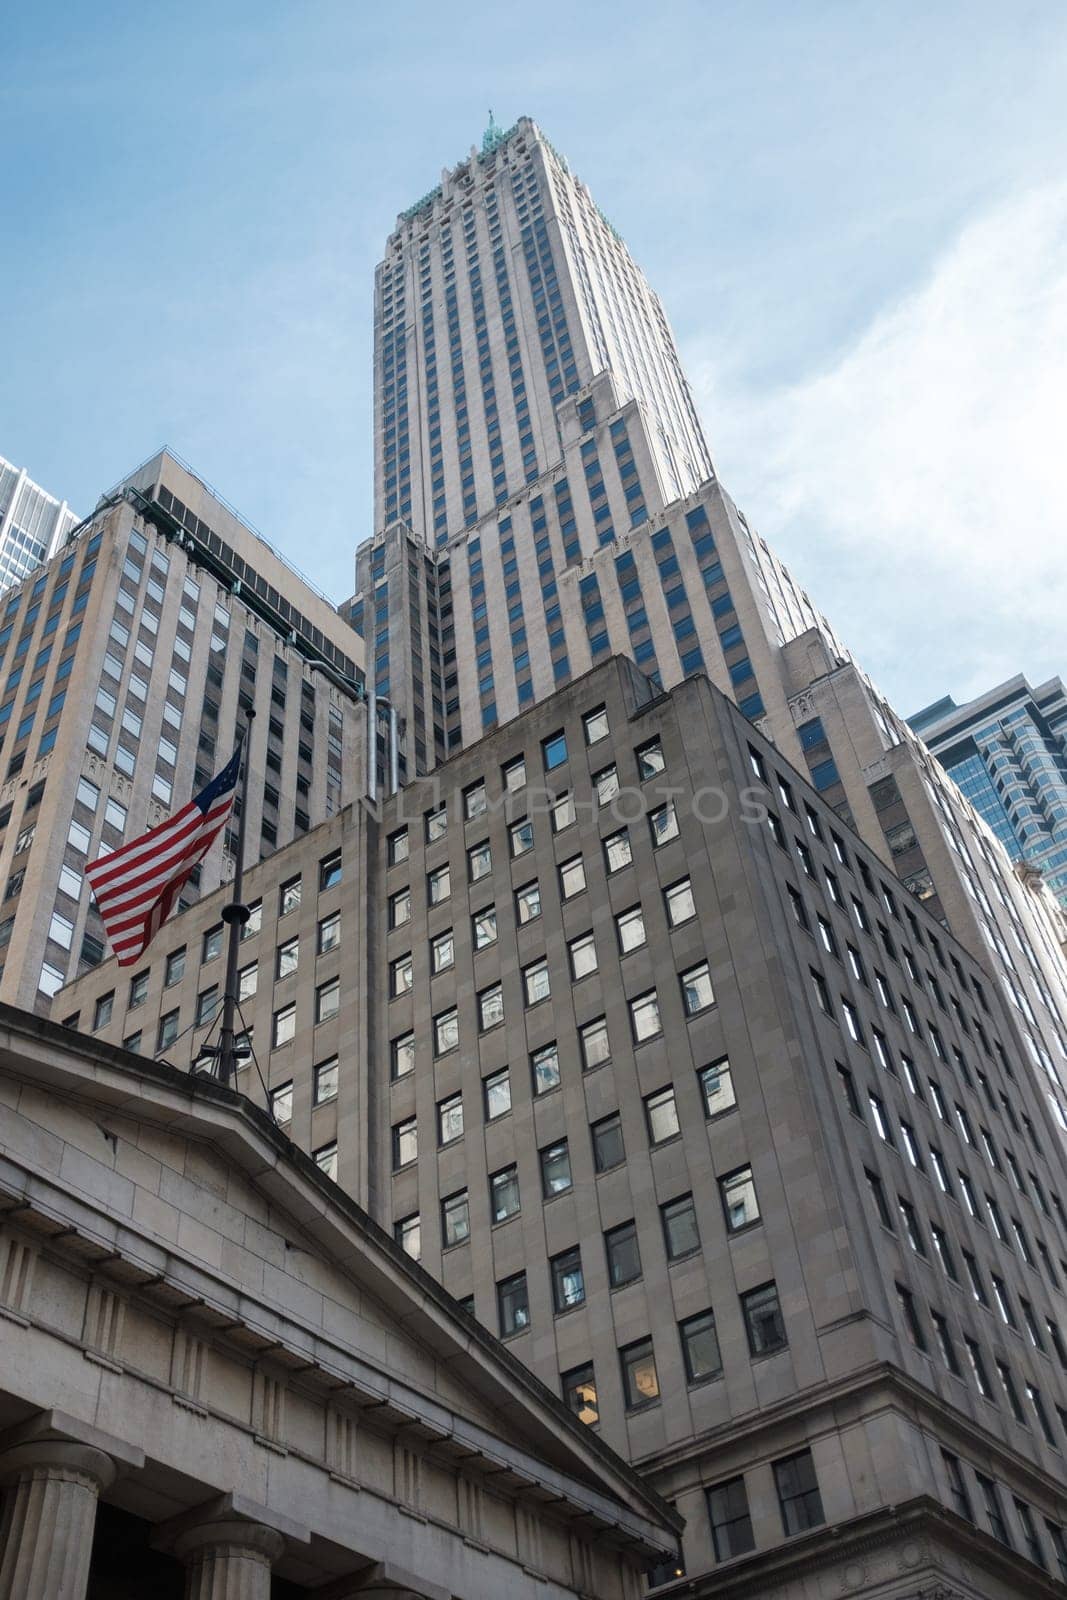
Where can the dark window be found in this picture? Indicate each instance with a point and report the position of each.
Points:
(700, 1347)
(608, 1148)
(731, 1525)
(513, 1304)
(624, 1257)
(579, 1393)
(798, 1492)
(764, 1323)
(680, 1227)
(639, 1378)
(568, 1281)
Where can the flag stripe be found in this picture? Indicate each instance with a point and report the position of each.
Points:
(137, 886)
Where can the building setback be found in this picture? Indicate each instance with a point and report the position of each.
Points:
(623, 1033)
(1007, 750)
(33, 525)
(127, 664)
(219, 1377)
(545, 499)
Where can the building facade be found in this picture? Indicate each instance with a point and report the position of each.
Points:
(33, 525)
(1007, 751)
(656, 1067)
(127, 664)
(219, 1378)
(530, 524)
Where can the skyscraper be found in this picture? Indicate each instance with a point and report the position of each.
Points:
(127, 663)
(32, 524)
(1007, 750)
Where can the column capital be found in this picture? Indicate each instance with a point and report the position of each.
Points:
(250, 1539)
(60, 1459)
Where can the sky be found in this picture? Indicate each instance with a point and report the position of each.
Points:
(855, 214)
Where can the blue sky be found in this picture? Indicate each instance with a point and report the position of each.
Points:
(856, 215)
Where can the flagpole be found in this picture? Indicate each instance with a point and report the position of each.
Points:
(235, 915)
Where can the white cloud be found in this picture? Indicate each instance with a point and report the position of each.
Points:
(918, 485)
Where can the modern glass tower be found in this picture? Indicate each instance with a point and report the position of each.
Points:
(1007, 750)
(33, 525)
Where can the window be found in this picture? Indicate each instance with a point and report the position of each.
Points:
(991, 1499)
(537, 982)
(168, 1028)
(405, 1143)
(544, 1066)
(402, 1055)
(497, 1092)
(528, 902)
(254, 923)
(514, 774)
(329, 933)
(436, 824)
(594, 1043)
(504, 1193)
(697, 993)
(174, 968)
(521, 837)
(606, 785)
(408, 1234)
(946, 1347)
(284, 1026)
(680, 1231)
(455, 1219)
(450, 1119)
(568, 1280)
(595, 725)
(571, 877)
(644, 1016)
(679, 901)
(401, 975)
(207, 1003)
(579, 1393)
(446, 1031)
(798, 1492)
(281, 1103)
(490, 1007)
(554, 751)
(103, 1009)
(397, 847)
(700, 1347)
(764, 1324)
(661, 1115)
(555, 1169)
(442, 952)
(289, 897)
(399, 908)
(663, 822)
(324, 1082)
(288, 958)
(513, 1305)
(212, 943)
(639, 1380)
(563, 812)
(617, 851)
(740, 1206)
(583, 956)
(731, 1525)
(475, 801)
(608, 1149)
(439, 885)
(61, 929)
(961, 1500)
(630, 928)
(479, 862)
(624, 1258)
(650, 760)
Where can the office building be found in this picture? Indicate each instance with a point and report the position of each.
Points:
(628, 1038)
(544, 500)
(220, 1379)
(127, 664)
(1007, 751)
(32, 524)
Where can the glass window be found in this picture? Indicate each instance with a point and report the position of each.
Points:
(401, 975)
(324, 1082)
(521, 835)
(490, 1007)
(61, 929)
(700, 1347)
(571, 877)
(436, 824)
(504, 1193)
(405, 1142)
(606, 784)
(544, 1065)
(284, 1025)
(446, 1031)
(739, 1203)
(717, 1087)
(595, 724)
(483, 926)
(327, 1000)
(608, 1148)
(680, 1230)
(402, 1051)
(554, 751)
(408, 1235)
(442, 952)
(617, 851)
(288, 957)
(479, 861)
(289, 897)
(563, 812)
(663, 822)
(639, 1379)
(731, 1525)
(103, 1009)
(513, 1305)
(281, 1103)
(475, 801)
(644, 1016)
(579, 1393)
(168, 1029)
(764, 1324)
(536, 981)
(497, 1088)
(661, 1114)
(528, 902)
(438, 885)
(455, 1219)
(514, 774)
(583, 956)
(568, 1280)
(450, 1119)
(555, 1169)
(255, 921)
(697, 993)
(595, 1045)
(798, 1492)
(650, 760)
(679, 901)
(400, 908)
(212, 943)
(397, 847)
(174, 967)
(329, 933)
(624, 1257)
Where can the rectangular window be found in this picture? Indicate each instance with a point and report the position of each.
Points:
(700, 1347)
(679, 901)
(624, 1257)
(617, 851)
(680, 1232)
(455, 1219)
(639, 1378)
(764, 1323)
(717, 1088)
(513, 1304)
(731, 1525)
(739, 1203)
(579, 1393)
(608, 1148)
(697, 992)
(661, 1115)
(324, 1082)
(798, 1493)
(284, 1026)
(450, 1119)
(568, 1280)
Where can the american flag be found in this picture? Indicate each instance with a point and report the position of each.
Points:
(137, 886)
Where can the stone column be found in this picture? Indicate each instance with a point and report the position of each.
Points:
(228, 1559)
(46, 1535)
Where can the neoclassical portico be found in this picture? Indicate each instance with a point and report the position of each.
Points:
(203, 1341)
